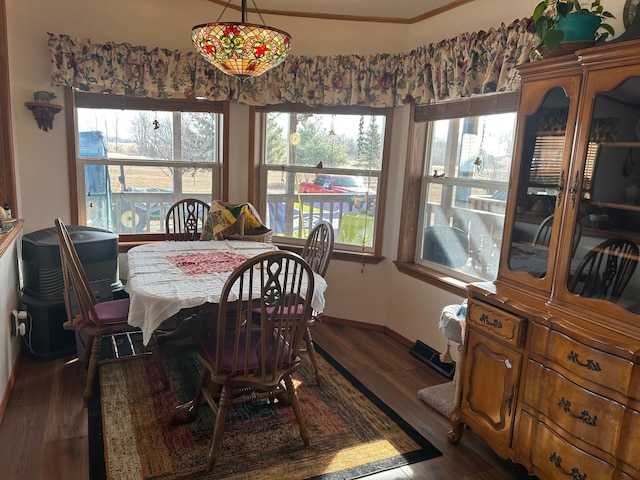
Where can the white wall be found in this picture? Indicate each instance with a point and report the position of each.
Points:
(376, 294)
(9, 347)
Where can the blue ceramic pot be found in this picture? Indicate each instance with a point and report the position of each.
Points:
(578, 27)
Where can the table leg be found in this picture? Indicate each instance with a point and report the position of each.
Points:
(192, 322)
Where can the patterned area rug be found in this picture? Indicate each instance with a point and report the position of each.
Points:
(352, 432)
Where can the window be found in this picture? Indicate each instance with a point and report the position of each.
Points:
(323, 163)
(465, 148)
(136, 157)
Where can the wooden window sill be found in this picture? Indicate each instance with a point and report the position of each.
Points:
(433, 277)
(7, 238)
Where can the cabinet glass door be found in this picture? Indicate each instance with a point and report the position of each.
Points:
(603, 264)
(540, 170)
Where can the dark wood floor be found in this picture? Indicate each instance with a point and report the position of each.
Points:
(44, 431)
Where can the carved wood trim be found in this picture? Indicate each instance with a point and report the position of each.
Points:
(7, 166)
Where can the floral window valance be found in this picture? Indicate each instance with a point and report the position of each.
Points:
(472, 63)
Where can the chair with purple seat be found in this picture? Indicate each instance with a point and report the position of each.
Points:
(95, 321)
(251, 360)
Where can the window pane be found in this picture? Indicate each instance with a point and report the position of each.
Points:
(136, 163)
(323, 166)
(465, 192)
(344, 201)
(179, 136)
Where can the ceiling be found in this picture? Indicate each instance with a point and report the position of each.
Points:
(385, 11)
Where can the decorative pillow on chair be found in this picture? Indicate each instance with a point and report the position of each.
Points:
(223, 219)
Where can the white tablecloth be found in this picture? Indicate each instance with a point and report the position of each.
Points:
(158, 289)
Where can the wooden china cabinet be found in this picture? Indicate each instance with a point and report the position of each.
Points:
(551, 369)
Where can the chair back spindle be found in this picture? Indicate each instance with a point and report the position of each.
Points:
(185, 219)
(318, 247)
(605, 270)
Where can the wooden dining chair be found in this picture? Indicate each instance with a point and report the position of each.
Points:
(542, 237)
(605, 270)
(317, 252)
(185, 219)
(97, 321)
(543, 233)
(246, 361)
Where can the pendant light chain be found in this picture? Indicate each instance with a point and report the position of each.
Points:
(223, 10)
(257, 10)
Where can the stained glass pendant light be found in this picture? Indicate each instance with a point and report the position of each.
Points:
(241, 49)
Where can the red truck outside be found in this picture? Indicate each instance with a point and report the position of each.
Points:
(328, 183)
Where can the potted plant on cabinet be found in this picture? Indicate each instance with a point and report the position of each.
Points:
(567, 22)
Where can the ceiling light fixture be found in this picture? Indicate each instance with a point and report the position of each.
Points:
(242, 49)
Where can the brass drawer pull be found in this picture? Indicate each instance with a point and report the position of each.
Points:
(574, 473)
(565, 405)
(591, 364)
(484, 318)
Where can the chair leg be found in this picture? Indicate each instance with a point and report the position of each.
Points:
(93, 365)
(297, 410)
(223, 406)
(87, 348)
(312, 355)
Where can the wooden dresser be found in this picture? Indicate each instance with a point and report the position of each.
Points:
(550, 374)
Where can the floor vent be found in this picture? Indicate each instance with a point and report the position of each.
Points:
(431, 357)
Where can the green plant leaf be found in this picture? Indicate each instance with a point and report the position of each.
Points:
(552, 38)
(538, 12)
(541, 26)
(564, 8)
(608, 28)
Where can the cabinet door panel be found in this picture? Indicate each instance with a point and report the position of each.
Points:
(547, 111)
(490, 386)
(601, 275)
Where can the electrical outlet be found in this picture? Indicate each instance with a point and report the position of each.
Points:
(18, 325)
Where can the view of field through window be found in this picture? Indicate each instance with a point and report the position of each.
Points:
(137, 163)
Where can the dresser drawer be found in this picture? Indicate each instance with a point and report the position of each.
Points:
(497, 323)
(554, 459)
(588, 416)
(629, 447)
(584, 362)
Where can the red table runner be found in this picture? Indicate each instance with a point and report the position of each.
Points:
(204, 263)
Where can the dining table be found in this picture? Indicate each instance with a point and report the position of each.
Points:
(165, 278)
